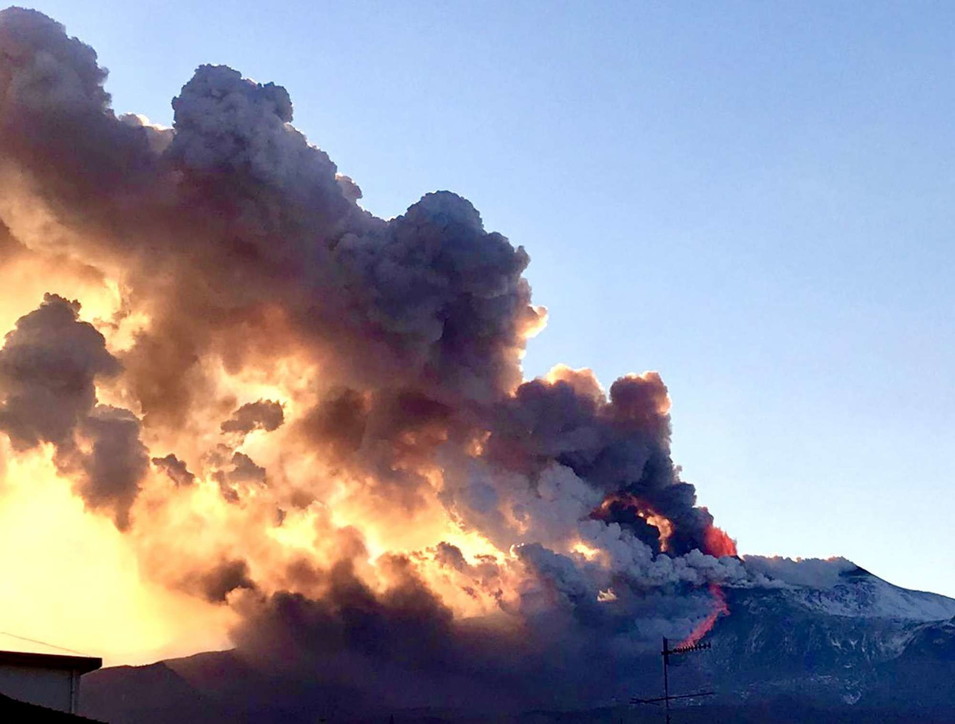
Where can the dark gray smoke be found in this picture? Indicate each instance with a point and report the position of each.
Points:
(220, 580)
(175, 468)
(48, 368)
(403, 648)
(618, 452)
(262, 415)
(116, 462)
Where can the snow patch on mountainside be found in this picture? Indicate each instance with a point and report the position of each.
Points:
(838, 587)
(870, 597)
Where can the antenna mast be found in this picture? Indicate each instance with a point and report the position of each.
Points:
(667, 652)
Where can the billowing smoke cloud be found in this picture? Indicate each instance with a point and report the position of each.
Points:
(812, 572)
(262, 415)
(48, 368)
(48, 365)
(175, 468)
(403, 648)
(318, 417)
(216, 583)
(116, 461)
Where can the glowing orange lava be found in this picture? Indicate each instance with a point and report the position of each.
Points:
(640, 508)
(704, 626)
(662, 524)
(717, 542)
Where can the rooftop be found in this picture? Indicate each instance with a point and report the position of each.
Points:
(20, 651)
(82, 664)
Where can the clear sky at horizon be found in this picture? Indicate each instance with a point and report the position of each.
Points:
(754, 199)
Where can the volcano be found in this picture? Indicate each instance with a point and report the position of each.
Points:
(239, 409)
(823, 641)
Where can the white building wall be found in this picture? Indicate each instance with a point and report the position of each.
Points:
(52, 688)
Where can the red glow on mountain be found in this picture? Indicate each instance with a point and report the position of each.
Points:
(719, 608)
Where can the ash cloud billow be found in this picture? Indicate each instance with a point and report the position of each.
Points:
(48, 367)
(262, 415)
(317, 417)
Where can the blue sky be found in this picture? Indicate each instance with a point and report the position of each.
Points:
(754, 199)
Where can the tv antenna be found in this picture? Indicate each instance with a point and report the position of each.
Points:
(667, 697)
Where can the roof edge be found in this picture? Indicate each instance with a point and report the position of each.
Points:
(82, 664)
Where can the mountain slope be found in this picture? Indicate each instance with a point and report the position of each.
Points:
(849, 644)
(844, 647)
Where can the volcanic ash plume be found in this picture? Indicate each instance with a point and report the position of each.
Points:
(257, 408)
